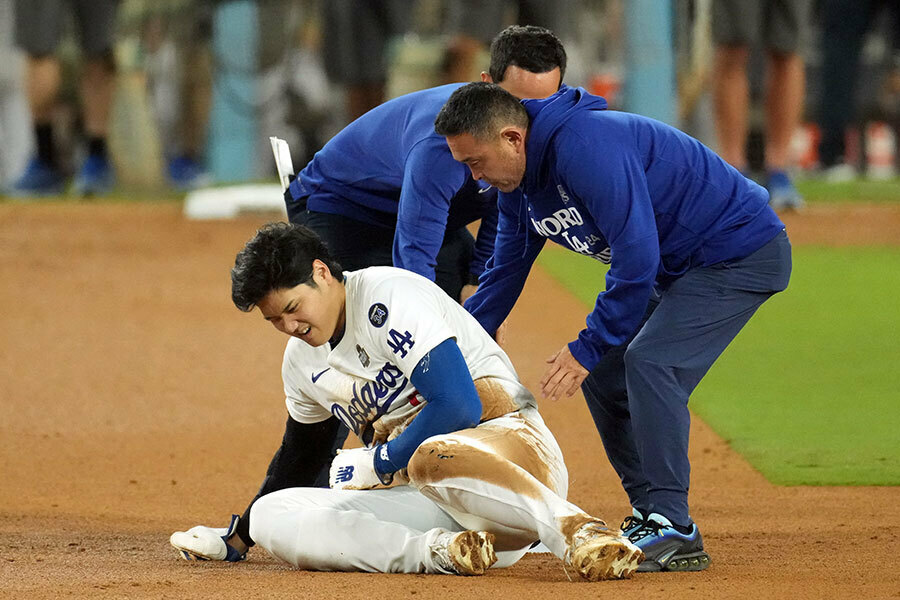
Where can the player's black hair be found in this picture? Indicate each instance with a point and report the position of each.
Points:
(279, 256)
(479, 109)
(528, 47)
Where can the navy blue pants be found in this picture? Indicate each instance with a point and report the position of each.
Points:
(639, 391)
(356, 245)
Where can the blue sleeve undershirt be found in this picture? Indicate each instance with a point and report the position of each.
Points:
(443, 380)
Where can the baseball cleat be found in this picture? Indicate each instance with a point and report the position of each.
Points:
(667, 549)
(206, 543)
(465, 552)
(598, 553)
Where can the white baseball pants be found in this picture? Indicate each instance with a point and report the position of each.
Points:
(505, 476)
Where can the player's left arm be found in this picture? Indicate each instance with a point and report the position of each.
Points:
(443, 380)
(430, 179)
(413, 334)
(613, 186)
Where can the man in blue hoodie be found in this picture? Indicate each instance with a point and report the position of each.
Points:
(693, 248)
(386, 191)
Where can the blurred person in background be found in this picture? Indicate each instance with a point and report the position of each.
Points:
(783, 27)
(39, 26)
(355, 39)
(15, 130)
(179, 73)
(475, 22)
(844, 26)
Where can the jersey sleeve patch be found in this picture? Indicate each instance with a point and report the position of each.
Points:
(378, 313)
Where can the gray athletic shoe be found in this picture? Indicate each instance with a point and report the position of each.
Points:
(667, 549)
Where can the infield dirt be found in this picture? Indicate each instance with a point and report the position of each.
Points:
(136, 400)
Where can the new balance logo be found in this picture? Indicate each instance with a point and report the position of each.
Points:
(344, 474)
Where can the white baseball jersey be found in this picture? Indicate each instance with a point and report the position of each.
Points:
(394, 318)
(505, 476)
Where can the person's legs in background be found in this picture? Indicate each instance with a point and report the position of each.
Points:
(15, 122)
(38, 29)
(39, 26)
(96, 22)
(476, 22)
(844, 24)
(356, 35)
(734, 24)
(787, 24)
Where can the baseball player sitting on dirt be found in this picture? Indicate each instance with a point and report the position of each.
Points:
(528, 61)
(458, 469)
(693, 248)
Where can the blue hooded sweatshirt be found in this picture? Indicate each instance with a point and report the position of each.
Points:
(623, 189)
(390, 169)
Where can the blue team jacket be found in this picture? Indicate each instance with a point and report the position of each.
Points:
(390, 168)
(624, 189)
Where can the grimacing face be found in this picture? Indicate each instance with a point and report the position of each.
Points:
(312, 313)
(499, 162)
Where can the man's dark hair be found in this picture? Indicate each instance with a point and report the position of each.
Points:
(279, 256)
(479, 109)
(528, 47)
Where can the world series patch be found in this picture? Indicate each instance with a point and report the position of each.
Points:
(363, 355)
(378, 313)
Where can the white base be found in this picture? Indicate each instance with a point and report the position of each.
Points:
(229, 202)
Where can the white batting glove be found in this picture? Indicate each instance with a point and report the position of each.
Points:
(354, 469)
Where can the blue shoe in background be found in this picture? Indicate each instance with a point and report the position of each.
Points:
(185, 174)
(95, 177)
(667, 549)
(39, 179)
(782, 193)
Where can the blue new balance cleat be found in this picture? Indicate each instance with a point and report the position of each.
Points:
(39, 179)
(667, 549)
(95, 177)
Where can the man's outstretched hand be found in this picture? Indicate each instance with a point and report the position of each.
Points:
(564, 375)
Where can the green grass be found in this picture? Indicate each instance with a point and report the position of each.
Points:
(809, 393)
(859, 190)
